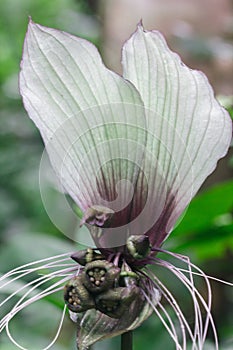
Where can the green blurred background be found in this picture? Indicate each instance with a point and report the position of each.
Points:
(201, 32)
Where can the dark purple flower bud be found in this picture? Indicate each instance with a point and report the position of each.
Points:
(138, 246)
(85, 256)
(99, 276)
(76, 296)
(115, 302)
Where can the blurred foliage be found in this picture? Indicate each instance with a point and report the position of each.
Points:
(26, 232)
(226, 102)
(206, 228)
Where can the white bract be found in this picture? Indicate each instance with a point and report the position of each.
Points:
(149, 138)
(131, 151)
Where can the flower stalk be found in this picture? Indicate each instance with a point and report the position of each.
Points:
(127, 341)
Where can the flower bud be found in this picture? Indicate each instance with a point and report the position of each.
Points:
(85, 256)
(138, 246)
(99, 276)
(115, 302)
(76, 296)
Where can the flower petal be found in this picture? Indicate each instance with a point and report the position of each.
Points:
(188, 131)
(89, 117)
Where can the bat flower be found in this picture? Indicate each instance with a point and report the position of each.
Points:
(131, 151)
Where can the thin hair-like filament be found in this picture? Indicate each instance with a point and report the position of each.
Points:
(200, 330)
(64, 270)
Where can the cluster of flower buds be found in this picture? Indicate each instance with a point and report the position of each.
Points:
(101, 285)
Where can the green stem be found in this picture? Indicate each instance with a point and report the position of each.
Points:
(127, 341)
